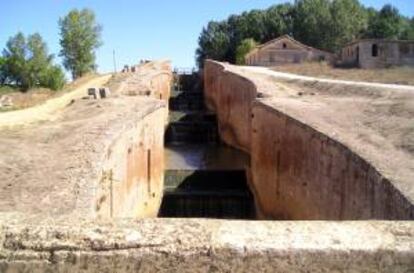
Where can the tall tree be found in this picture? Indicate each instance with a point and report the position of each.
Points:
(3, 73)
(278, 21)
(410, 32)
(387, 24)
(312, 23)
(245, 47)
(38, 60)
(80, 37)
(28, 63)
(213, 42)
(349, 20)
(15, 55)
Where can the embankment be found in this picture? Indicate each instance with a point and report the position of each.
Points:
(99, 158)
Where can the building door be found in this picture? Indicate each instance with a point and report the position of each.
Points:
(357, 56)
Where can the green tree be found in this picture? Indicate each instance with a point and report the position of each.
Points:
(349, 21)
(387, 24)
(312, 23)
(54, 78)
(213, 43)
(27, 63)
(15, 56)
(410, 31)
(80, 37)
(278, 21)
(3, 72)
(245, 47)
(38, 61)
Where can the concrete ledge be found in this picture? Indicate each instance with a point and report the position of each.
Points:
(174, 245)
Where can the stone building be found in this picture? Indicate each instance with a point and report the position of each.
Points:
(375, 53)
(284, 50)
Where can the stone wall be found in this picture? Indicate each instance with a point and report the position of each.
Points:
(232, 103)
(177, 245)
(390, 53)
(297, 172)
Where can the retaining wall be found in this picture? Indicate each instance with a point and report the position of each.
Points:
(232, 103)
(132, 180)
(297, 172)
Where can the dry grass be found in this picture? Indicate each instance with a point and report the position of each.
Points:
(36, 96)
(51, 108)
(397, 75)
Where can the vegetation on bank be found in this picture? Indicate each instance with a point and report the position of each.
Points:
(245, 47)
(26, 64)
(324, 24)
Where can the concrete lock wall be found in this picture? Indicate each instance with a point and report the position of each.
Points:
(300, 173)
(232, 104)
(296, 171)
(133, 174)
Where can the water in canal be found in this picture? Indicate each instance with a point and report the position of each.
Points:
(203, 177)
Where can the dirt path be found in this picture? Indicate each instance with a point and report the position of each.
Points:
(290, 76)
(49, 109)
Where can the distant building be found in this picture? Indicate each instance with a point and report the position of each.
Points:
(284, 50)
(374, 53)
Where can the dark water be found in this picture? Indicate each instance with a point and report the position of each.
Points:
(203, 177)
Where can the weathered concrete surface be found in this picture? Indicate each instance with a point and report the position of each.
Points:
(174, 245)
(336, 151)
(150, 79)
(69, 166)
(100, 158)
(232, 103)
(307, 175)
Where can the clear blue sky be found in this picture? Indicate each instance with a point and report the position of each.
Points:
(138, 29)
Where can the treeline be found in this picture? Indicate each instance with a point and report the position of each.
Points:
(324, 24)
(26, 63)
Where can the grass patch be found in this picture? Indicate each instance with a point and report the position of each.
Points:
(6, 89)
(38, 95)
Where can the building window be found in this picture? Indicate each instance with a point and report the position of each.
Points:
(374, 50)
